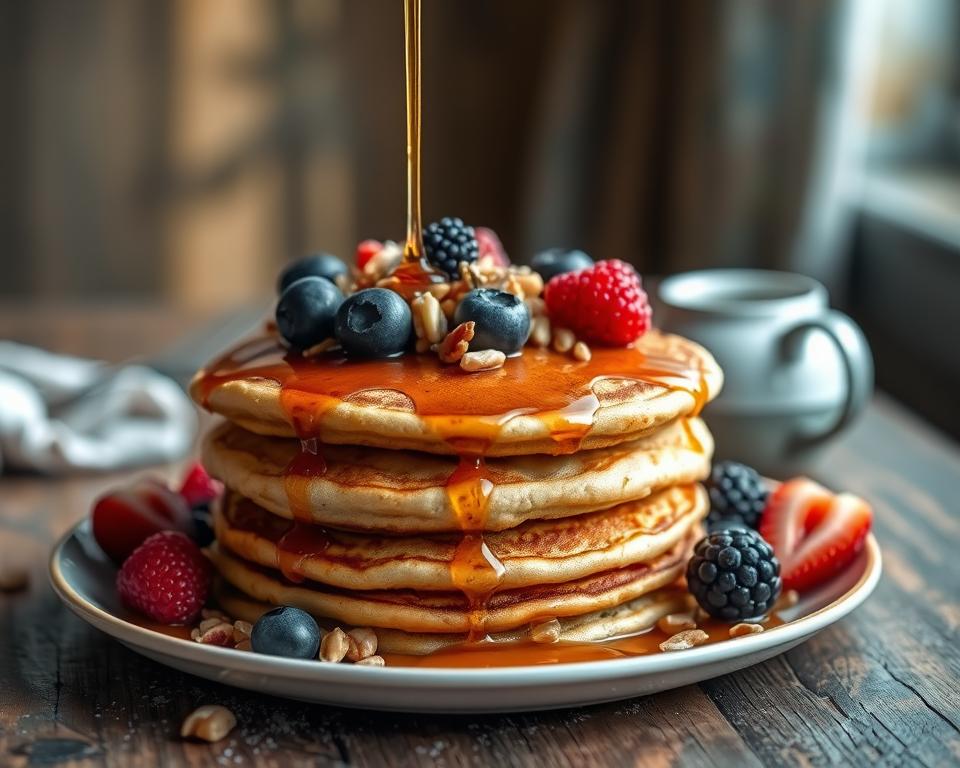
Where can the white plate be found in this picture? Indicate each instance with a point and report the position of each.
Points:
(84, 579)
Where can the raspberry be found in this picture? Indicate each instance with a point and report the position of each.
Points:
(604, 304)
(366, 250)
(198, 487)
(167, 579)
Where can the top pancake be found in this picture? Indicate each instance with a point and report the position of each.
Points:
(539, 402)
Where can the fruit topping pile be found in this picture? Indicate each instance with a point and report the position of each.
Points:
(796, 537)
(473, 308)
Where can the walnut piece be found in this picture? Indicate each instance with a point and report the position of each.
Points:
(683, 640)
(456, 343)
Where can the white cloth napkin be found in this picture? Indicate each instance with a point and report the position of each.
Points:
(59, 414)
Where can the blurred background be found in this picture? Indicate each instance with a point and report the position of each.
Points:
(177, 153)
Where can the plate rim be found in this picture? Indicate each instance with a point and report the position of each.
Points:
(543, 675)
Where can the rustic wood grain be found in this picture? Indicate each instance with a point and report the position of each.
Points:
(880, 688)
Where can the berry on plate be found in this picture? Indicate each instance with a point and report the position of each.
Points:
(604, 304)
(374, 322)
(501, 320)
(123, 518)
(198, 488)
(286, 631)
(490, 248)
(737, 494)
(306, 311)
(167, 579)
(449, 242)
(815, 533)
(324, 265)
(558, 261)
(734, 575)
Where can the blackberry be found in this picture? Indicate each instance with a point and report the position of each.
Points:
(734, 575)
(448, 242)
(737, 494)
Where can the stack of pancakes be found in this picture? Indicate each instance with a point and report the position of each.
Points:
(438, 506)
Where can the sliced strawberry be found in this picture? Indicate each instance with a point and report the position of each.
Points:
(813, 532)
(490, 248)
(125, 517)
(198, 487)
(366, 250)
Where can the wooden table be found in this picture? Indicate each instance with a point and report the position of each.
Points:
(882, 687)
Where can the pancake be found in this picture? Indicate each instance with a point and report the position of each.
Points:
(538, 552)
(404, 492)
(450, 612)
(633, 617)
(539, 402)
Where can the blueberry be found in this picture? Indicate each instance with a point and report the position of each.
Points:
(556, 261)
(374, 323)
(306, 311)
(502, 319)
(286, 631)
(324, 265)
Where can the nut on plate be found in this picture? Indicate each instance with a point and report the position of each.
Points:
(482, 360)
(363, 643)
(745, 628)
(681, 641)
(210, 722)
(334, 646)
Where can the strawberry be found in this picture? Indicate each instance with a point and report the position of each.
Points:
(198, 487)
(166, 578)
(124, 517)
(490, 248)
(366, 250)
(604, 304)
(813, 532)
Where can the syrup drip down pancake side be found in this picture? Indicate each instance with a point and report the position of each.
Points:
(405, 492)
(537, 552)
(542, 402)
(451, 612)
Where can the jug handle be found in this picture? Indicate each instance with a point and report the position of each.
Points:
(857, 363)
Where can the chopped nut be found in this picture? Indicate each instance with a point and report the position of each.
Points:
(364, 643)
(743, 628)
(208, 624)
(195, 634)
(581, 352)
(536, 306)
(470, 274)
(563, 340)
(514, 286)
(211, 722)
(684, 640)
(483, 360)
(439, 291)
(241, 630)
(676, 622)
(429, 322)
(334, 646)
(318, 349)
(546, 631)
(371, 661)
(244, 645)
(14, 578)
(531, 284)
(790, 598)
(540, 332)
(220, 634)
(456, 343)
